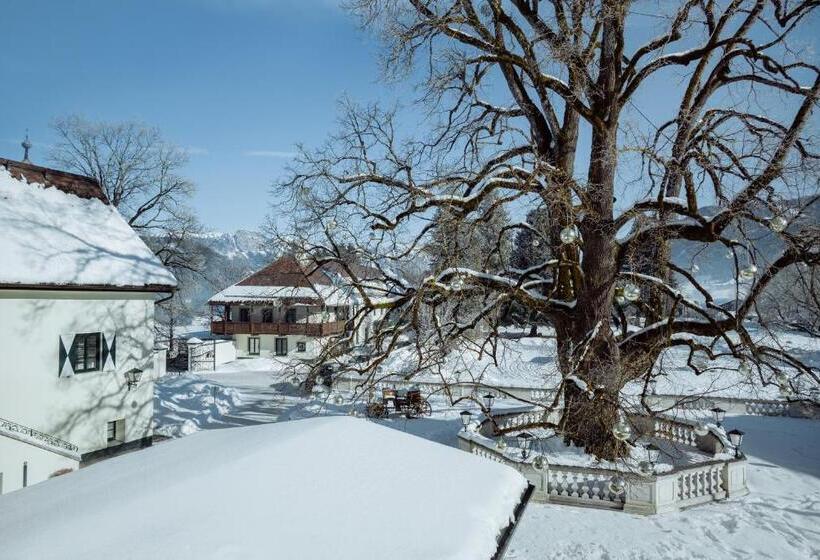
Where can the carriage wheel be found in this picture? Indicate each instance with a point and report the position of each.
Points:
(376, 410)
(425, 408)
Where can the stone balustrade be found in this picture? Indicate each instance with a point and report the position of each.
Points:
(643, 494)
(757, 407)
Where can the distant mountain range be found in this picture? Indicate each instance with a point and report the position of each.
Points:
(229, 257)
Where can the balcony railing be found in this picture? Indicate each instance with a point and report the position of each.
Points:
(9, 428)
(305, 329)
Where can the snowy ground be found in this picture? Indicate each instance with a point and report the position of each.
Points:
(530, 362)
(778, 520)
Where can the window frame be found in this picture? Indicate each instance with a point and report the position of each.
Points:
(254, 341)
(301, 346)
(244, 314)
(85, 365)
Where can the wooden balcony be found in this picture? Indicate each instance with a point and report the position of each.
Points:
(306, 329)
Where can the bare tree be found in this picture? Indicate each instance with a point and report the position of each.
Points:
(140, 174)
(537, 104)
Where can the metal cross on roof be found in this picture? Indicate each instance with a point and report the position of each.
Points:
(26, 147)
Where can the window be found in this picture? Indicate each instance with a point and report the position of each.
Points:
(290, 316)
(244, 315)
(301, 347)
(115, 431)
(253, 345)
(267, 315)
(25, 474)
(85, 355)
(281, 346)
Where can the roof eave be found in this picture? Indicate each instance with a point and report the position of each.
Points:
(148, 288)
(507, 534)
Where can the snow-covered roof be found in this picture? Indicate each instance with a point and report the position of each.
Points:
(57, 229)
(331, 487)
(288, 279)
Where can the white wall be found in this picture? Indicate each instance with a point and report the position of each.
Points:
(267, 345)
(42, 464)
(198, 354)
(76, 408)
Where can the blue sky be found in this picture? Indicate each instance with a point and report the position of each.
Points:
(237, 82)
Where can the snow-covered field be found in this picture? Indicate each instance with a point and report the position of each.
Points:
(778, 520)
(530, 362)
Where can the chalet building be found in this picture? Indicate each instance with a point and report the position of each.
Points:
(288, 309)
(77, 294)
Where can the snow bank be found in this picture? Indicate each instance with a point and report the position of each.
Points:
(339, 487)
(50, 237)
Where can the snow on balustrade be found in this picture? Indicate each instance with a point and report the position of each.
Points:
(766, 408)
(581, 486)
(702, 482)
(675, 432)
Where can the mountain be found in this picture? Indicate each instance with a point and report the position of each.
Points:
(227, 258)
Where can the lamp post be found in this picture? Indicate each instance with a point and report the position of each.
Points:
(719, 414)
(489, 398)
(736, 438)
(524, 442)
(466, 415)
(132, 377)
(653, 453)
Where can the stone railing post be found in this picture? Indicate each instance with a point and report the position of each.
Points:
(650, 495)
(734, 478)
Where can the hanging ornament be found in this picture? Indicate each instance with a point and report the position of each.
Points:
(632, 292)
(500, 444)
(778, 224)
(645, 468)
(338, 399)
(539, 463)
(569, 235)
(749, 272)
(695, 268)
(781, 378)
(617, 484)
(744, 369)
(730, 255)
(535, 243)
(700, 429)
(621, 430)
(700, 361)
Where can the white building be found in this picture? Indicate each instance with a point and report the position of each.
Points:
(289, 309)
(77, 295)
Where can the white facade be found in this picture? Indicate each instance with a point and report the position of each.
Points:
(76, 407)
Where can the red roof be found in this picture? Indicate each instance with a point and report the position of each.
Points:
(70, 183)
(287, 271)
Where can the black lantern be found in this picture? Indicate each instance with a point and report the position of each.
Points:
(132, 377)
(736, 438)
(466, 415)
(524, 442)
(719, 415)
(653, 453)
(489, 398)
